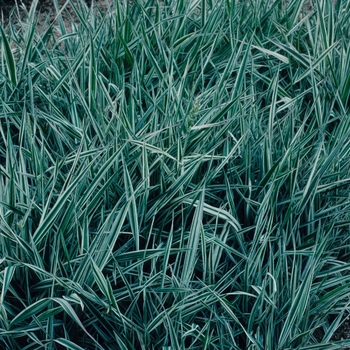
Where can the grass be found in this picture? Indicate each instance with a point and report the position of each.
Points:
(176, 176)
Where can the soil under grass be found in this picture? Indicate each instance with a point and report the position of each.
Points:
(46, 11)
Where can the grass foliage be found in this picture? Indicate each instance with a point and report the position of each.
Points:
(176, 175)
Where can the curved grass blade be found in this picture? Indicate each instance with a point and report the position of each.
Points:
(10, 60)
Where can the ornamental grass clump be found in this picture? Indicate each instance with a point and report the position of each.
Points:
(176, 175)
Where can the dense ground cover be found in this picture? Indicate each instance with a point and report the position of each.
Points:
(176, 175)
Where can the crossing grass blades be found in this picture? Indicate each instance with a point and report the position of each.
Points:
(176, 175)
